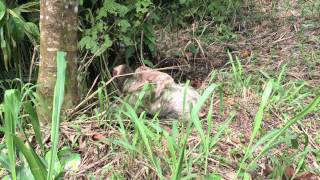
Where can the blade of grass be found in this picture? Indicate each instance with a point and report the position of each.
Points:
(142, 130)
(11, 111)
(57, 105)
(312, 106)
(258, 120)
(221, 129)
(194, 120)
(35, 123)
(234, 69)
(184, 103)
(36, 166)
(207, 144)
(178, 165)
(178, 169)
(282, 74)
(171, 144)
(196, 109)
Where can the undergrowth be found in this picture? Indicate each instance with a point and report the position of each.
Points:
(260, 123)
(150, 147)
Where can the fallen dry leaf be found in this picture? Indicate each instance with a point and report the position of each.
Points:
(97, 137)
(308, 176)
(289, 172)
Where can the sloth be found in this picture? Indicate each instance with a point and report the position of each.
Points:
(142, 76)
(165, 97)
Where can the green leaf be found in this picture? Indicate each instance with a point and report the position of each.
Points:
(16, 28)
(214, 176)
(35, 122)
(3, 10)
(24, 171)
(268, 145)
(128, 42)
(143, 131)
(258, 120)
(5, 49)
(182, 1)
(106, 44)
(142, 6)
(112, 7)
(148, 63)
(4, 161)
(107, 41)
(37, 167)
(70, 161)
(196, 109)
(32, 29)
(57, 105)
(124, 25)
(57, 167)
(11, 111)
(83, 43)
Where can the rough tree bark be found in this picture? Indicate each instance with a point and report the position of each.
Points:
(58, 32)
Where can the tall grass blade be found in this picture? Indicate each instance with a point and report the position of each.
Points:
(234, 68)
(178, 169)
(312, 106)
(37, 168)
(282, 74)
(57, 105)
(178, 166)
(171, 144)
(239, 67)
(35, 122)
(258, 119)
(210, 125)
(196, 109)
(194, 120)
(221, 129)
(11, 109)
(143, 132)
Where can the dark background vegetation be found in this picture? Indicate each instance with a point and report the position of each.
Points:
(113, 32)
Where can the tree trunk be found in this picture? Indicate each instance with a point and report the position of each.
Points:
(58, 32)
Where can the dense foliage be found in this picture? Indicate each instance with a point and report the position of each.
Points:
(128, 23)
(18, 29)
(112, 30)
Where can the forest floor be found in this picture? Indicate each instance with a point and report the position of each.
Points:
(279, 42)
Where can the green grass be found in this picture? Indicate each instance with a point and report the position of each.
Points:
(189, 149)
(143, 138)
(56, 111)
(17, 105)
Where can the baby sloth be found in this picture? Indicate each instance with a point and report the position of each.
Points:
(167, 96)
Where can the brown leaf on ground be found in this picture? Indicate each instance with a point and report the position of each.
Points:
(308, 176)
(246, 53)
(98, 136)
(189, 55)
(289, 172)
(266, 167)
